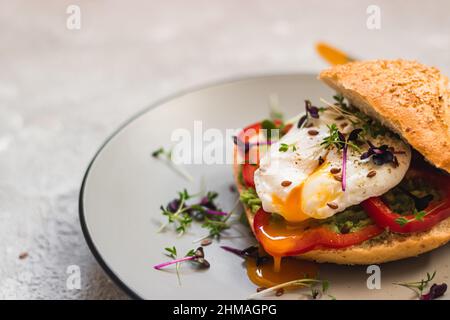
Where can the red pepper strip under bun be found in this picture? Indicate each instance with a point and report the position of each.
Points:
(287, 241)
(435, 212)
(385, 218)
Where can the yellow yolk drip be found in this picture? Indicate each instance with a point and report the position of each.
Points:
(327, 192)
(290, 208)
(276, 264)
(332, 55)
(266, 275)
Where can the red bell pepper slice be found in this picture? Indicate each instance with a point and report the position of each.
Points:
(434, 213)
(283, 240)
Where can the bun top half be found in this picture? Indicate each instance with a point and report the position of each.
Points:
(410, 98)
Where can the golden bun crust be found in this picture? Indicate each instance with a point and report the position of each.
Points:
(410, 98)
(385, 248)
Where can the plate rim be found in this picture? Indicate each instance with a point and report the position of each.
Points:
(81, 211)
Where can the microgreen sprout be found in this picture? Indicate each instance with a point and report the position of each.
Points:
(197, 256)
(417, 215)
(251, 251)
(436, 291)
(285, 147)
(217, 224)
(165, 155)
(317, 287)
(337, 140)
(370, 126)
(380, 155)
(419, 286)
(182, 214)
(310, 111)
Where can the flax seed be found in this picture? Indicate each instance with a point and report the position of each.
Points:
(286, 183)
(313, 132)
(321, 160)
(205, 242)
(335, 170)
(332, 205)
(279, 292)
(23, 255)
(371, 174)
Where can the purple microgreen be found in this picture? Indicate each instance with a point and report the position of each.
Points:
(197, 256)
(436, 291)
(208, 200)
(380, 155)
(311, 110)
(251, 251)
(168, 263)
(181, 214)
(420, 203)
(353, 136)
(419, 286)
(177, 213)
(217, 223)
(344, 168)
(215, 212)
(302, 121)
(341, 138)
(237, 252)
(337, 140)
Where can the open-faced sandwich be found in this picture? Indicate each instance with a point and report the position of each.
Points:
(360, 180)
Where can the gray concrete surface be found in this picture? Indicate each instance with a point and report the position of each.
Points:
(62, 92)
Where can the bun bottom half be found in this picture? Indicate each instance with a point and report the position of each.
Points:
(384, 248)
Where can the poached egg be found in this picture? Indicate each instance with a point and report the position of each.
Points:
(297, 185)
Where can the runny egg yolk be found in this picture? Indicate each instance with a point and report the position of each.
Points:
(299, 205)
(290, 207)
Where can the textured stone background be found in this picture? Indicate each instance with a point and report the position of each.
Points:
(63, 92)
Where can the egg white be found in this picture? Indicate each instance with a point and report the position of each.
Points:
(314, 191)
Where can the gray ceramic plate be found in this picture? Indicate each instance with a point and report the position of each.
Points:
(124, 188)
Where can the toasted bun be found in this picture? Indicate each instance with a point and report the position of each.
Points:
(410, 98)
(387, 247)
